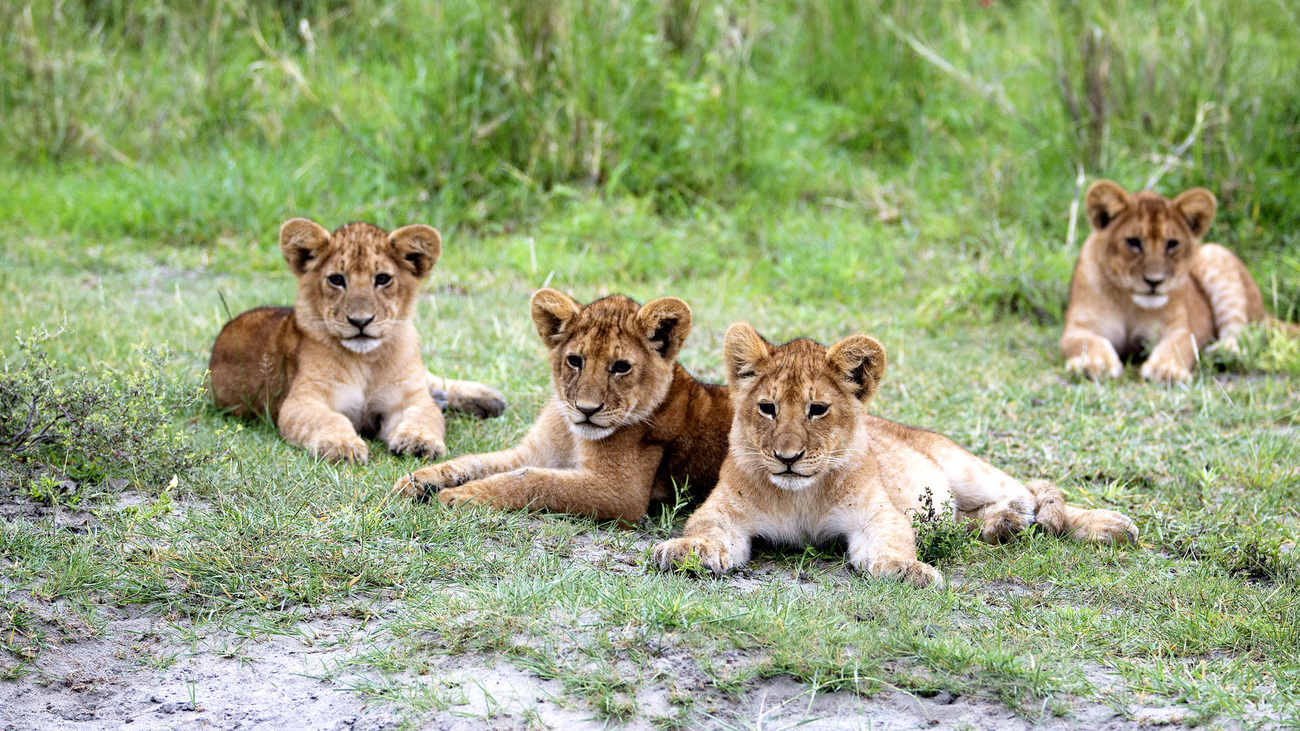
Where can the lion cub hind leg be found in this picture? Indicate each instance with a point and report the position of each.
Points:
(1234, 297)
(468, 397)
(1080, 524)
(999, 505)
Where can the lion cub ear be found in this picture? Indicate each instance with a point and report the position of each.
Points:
(744, 350)
(418, 248)
(1104, 201)
(301, 240)
(552, 312)
(1198, 206)
(860, 361)
(666, 322)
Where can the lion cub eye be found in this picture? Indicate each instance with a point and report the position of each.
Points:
(574, 361)
(1134, 243)
(816, 410)
(337, 280)
(1171, 245)
(767, 408)
(620, 366)
(381, 279)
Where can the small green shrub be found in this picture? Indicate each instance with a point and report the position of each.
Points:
(88, 428)
(939, 537)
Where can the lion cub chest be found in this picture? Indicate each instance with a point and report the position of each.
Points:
(361, 391)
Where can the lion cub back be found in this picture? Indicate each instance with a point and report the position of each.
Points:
(254, 360)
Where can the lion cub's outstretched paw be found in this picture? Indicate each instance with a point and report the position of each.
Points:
(687, 553)
(1106, 526)
(417, 444)
(1005, 522)
(917, 573)
(470, 492)
(1096, 365)
(1165, 370)
(476, 399)
(424, 482)
(340, 449)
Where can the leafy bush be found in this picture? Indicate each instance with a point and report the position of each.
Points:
(87, 428)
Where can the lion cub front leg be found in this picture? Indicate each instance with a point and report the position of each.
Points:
(884, 546)
(1171, 360)
(619, 494)
(1089, 354)
(307, 421)
(414, 425)
(548, 444)
(716, 537)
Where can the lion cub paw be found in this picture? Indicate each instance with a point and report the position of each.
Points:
(1097, 365)
(1106, 526)
(350, 448)
(917, 573)
(471, 492)
(416, 443)
(689, 553)
(476, 399)
(1165, 370)
(424, 482)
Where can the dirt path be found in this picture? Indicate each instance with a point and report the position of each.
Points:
(142, 670)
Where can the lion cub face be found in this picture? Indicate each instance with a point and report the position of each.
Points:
(1148, 241)
(797, 406)
(612, 360)
(356, 284)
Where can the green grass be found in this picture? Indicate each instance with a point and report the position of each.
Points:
(818, 169)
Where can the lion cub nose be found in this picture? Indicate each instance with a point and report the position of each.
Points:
(1152, 281)
(360, 322)
(587, 408)
(787, 458)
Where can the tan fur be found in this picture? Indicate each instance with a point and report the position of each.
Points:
(1143, 275)
(808, 463)
(345, 359)
(626, 421)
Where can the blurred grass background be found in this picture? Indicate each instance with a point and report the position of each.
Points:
(958, 130)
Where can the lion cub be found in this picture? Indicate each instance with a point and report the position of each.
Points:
(626, 421)
(1143, 275)
(808, 463)
(345, 359)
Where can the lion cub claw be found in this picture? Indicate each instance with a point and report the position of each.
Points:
(914, 572)
(1096, 365)
(413, 443)
(1165, 370)
(686, 553)
(341, 449)
(427, 481)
